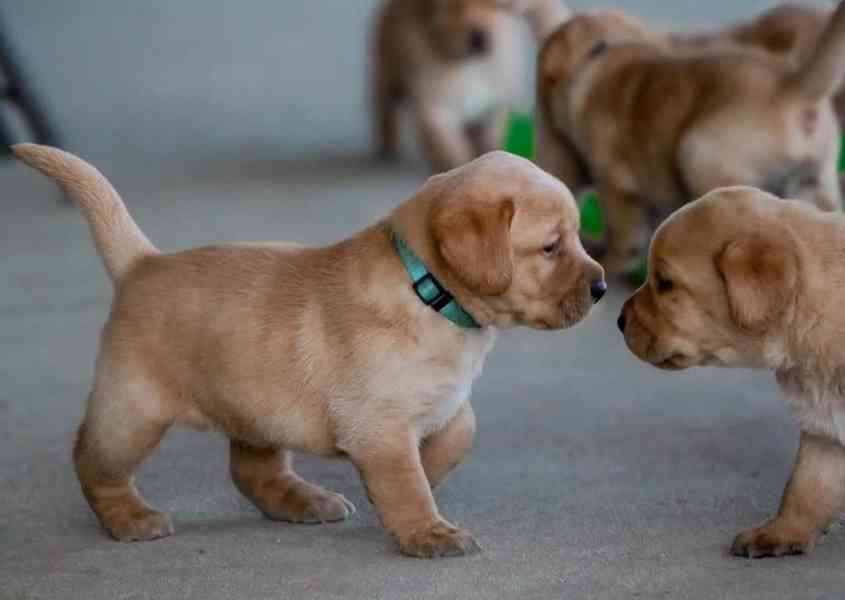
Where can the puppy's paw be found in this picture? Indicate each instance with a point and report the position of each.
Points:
(327, 508)
(305, 502)
(138, 525)
(438, 538)
(772, 538)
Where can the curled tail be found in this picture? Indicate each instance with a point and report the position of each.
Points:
(118, 239)
(822, 74)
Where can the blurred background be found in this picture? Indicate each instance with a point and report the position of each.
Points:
(594, 476)
(212, 78)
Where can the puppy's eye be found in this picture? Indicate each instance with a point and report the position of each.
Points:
(552, 249)
(664, 285)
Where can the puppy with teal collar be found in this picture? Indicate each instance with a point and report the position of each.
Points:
(365, 349)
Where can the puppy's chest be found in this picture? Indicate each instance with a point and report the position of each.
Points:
(469, 91)
(818, 406)
(442, 383)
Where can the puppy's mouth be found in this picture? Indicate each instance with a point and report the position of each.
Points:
(573, 311)
(674, 362)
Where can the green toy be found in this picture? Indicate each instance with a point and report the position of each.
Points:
(840, 166)
(519, 135)
(519, 139)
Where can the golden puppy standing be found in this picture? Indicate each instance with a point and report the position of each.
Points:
(741, 278)
(654, 129)
(790, 31)
(356, 349)
(455, 64)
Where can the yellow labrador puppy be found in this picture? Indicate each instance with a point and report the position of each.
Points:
(790, 30)
(455, 64)
(655, 129)
(365, 349)
(741, 278)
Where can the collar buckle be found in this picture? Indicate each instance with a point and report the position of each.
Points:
(429, 290)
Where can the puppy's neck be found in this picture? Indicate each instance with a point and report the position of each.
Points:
(814, 339)
(410, 222)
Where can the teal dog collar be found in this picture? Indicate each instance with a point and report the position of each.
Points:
(429, 290)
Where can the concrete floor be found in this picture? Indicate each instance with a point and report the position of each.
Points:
(594, 476)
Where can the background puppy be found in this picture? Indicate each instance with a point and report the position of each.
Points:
(741, 278)
(655, 129)
(456, 64)
(323, 350)
(790, 30)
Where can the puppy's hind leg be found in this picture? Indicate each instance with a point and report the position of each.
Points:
(387, 96)
(446, 143)
(123, 425)
(443, 450)
(626, 230)
(266, 477)
(813, 497)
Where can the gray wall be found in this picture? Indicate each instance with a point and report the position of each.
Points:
(214, 76)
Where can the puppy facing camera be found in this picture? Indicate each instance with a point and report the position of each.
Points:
(456, 65)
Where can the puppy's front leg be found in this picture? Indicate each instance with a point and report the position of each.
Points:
(396, 483)
(813, 497)
(267, 478)
(490, 133)
(444, 139)
(828, 195)
(626, 226)
(443, 450)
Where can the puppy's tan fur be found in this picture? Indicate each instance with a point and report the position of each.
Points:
(789, 30)
(741, 278)
(323, 350)
(456, 64)
(653, 129)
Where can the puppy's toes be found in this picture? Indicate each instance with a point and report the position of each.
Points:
(146, 524)
(305, 502)
(772, 539)
(438, 539)
(328, 508)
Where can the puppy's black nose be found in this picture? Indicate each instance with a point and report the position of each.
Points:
(478, 41)
(598, 289)
(620, 322)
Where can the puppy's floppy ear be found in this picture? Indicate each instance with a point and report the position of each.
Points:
(474, 238)
(760, 278)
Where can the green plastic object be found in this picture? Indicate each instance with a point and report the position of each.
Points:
(841, 163)
(519, 135)
(592, 221)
